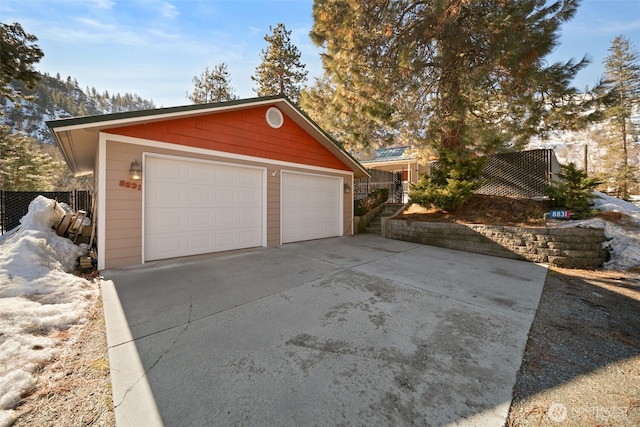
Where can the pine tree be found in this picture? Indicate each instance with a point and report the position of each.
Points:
(23, 165)
(622, 87)
(212, 86)
(573, 191)
(280, 71)
(457, 75)
(18, 53)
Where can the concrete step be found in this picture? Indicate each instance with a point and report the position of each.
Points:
(375, 226)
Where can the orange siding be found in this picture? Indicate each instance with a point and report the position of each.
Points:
(244, 132)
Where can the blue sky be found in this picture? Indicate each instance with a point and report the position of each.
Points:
(154, 48)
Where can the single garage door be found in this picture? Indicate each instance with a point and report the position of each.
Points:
(311, 207)
(194, 207)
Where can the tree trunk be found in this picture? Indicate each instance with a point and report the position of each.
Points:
(452, 119)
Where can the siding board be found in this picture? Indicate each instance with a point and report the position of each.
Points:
(235, 132)
(241, 132)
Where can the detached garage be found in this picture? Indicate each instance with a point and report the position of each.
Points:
(198, 179)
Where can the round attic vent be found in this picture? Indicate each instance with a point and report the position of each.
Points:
(274, 117)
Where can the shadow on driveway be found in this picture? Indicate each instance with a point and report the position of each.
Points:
(353, 330)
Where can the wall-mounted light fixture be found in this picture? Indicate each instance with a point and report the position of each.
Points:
(135, 172)
(347, 188)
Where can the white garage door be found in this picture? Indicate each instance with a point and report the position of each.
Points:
(195, 207)
(311, 207)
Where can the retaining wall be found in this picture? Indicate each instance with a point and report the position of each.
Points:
(560, 247)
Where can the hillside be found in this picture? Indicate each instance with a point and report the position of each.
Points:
(55, 98)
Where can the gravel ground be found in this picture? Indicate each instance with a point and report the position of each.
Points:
(581, 365)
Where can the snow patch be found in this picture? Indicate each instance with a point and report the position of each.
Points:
(38, 295)
(623, 237)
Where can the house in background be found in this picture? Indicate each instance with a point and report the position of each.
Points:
(401, 160)
(522, 174)
(197, 179)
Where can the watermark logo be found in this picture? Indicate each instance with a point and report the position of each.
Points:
(557, 412)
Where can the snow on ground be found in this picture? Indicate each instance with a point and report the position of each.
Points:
(38, 295)
(624, 237)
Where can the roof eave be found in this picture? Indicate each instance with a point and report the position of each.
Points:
(86, 129)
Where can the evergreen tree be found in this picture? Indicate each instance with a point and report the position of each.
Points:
(456, 75)
(18, 53)
(622, 87)
(280, 71)
(212, 86)
(450, 184)
(23, 165)
(573, 191)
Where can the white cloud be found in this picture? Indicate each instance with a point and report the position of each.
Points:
(254, 30)
(91, 4)
(159, 34)
(104, 4)
(169, 11)
(95, 24)
(621, 27)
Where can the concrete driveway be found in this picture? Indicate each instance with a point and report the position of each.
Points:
(346, 331)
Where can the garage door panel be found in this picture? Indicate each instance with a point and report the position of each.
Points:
(247, 235)
(196, 173)
(224, 176)
(167, 173)
(223, 218)
(196, 199)
(227, 240)
(164, 219)
(164, 195)
(199, 219)
(311, 207)
(248, 197)
(166, 244)
(196, 207)
(198, 243)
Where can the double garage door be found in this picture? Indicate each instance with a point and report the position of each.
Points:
(194, 207)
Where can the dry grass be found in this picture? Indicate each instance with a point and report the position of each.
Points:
(75, 388)
(481, 209)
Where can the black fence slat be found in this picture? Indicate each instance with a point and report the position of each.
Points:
(523, 174)
(15, 204)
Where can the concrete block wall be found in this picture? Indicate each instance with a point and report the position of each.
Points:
(560, 247)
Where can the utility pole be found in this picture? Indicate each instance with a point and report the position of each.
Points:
(586, 157)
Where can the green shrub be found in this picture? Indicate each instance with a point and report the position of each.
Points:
(450, 184)
(573, 192)
(373, 199)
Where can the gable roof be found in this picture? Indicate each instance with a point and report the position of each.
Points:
(78, 136)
